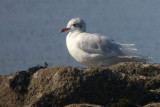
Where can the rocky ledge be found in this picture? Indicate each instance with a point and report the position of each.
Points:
(122, 85)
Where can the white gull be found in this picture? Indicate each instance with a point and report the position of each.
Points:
(95, 50)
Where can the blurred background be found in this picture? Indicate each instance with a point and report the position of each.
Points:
(29, 29)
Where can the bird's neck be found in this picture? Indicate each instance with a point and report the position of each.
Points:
(77, 30)
(74, 33)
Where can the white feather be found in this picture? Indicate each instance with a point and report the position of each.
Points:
(96, 50)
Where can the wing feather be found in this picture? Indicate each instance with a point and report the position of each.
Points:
(97, 44)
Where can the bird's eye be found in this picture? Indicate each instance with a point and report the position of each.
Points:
(77, 25)
(74, 24)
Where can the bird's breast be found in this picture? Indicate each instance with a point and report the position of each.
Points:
(73, 48)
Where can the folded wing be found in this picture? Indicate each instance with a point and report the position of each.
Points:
(102, 45)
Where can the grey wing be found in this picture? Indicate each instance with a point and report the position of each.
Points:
(97, 44)
(110, 48)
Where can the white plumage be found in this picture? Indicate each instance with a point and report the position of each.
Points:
(95, 50)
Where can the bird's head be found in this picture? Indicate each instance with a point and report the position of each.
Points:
(75, 24)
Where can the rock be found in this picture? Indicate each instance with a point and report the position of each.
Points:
(152, 105)
(83, 105)
(124, 85)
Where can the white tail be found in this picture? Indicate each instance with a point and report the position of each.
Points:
(118, 59)
(134, 58)
(128, 49)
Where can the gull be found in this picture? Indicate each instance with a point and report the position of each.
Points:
(95, 50)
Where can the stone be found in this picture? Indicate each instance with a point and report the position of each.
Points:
(124, 85)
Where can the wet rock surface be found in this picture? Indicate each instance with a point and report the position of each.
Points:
(122, 85)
